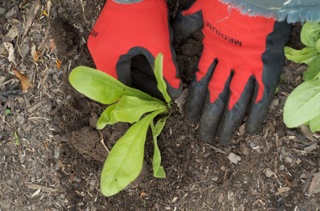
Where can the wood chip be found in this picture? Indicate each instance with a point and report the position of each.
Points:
(52, 45)
(268, 172)
(31, 16)
(305, 130)
(49, 4)
(234, 158)
(36, 193)
(283, 190)
(311, 147)
(11, 35)
(10, 49)
(33, 186)
(2, 11)
(314, 186)
(308, 180)
(35, 54)
(174, 199)
(215, 148)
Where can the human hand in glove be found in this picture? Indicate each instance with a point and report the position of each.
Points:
(127, 37)
(238, 71)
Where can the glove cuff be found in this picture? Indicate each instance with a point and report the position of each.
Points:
(127, 1)
(227, 11)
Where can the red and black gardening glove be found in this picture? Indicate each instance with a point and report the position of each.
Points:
(127, 37)
(238, 71)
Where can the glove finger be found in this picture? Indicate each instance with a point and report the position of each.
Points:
(215, 103)
(197, 93)
(136, 69)
(267, 83)
(171, 72)
(212, 112)
(259, 112)
(233, 117)
(263, 94)
(201, 84)
(141, 72)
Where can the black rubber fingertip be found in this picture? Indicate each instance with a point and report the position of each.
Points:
(233, 118)
(230, 123)
(211, 114)
(208, 125)
(197, 95)
(210, 118)
(259, 111)
(225, 139)
(258, 114)
(195, 101)
(253, 128)
(206, 135)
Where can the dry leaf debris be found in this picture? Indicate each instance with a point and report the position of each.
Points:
(24, 81)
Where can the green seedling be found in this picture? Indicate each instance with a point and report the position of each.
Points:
(303, 104)
(125, 104)
(7, 111)
(16, 137)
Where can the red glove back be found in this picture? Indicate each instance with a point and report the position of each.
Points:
(123, 31)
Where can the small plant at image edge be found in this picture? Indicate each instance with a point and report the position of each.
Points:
(125, 104)
(303, 104)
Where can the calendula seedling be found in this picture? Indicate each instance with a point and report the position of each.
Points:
(303, 104)
(125, 104)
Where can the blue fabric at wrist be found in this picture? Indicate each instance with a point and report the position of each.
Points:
(127, 1)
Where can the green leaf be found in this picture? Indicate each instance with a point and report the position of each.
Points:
(106, 117)
(102, 87)
(158, 170)
(129, 109)
(158, 72)
(124, 163)
(303, 104)
(313, 70)
(306, 55)
(159, 126)
(310, 33)
(7, 111)
(315, 124)
(16, 137)
(318, 45)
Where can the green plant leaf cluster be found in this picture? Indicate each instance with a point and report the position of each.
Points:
(125, 161)
(125, 104)
(303, 104)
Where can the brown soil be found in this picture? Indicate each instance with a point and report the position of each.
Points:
(55, 163)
